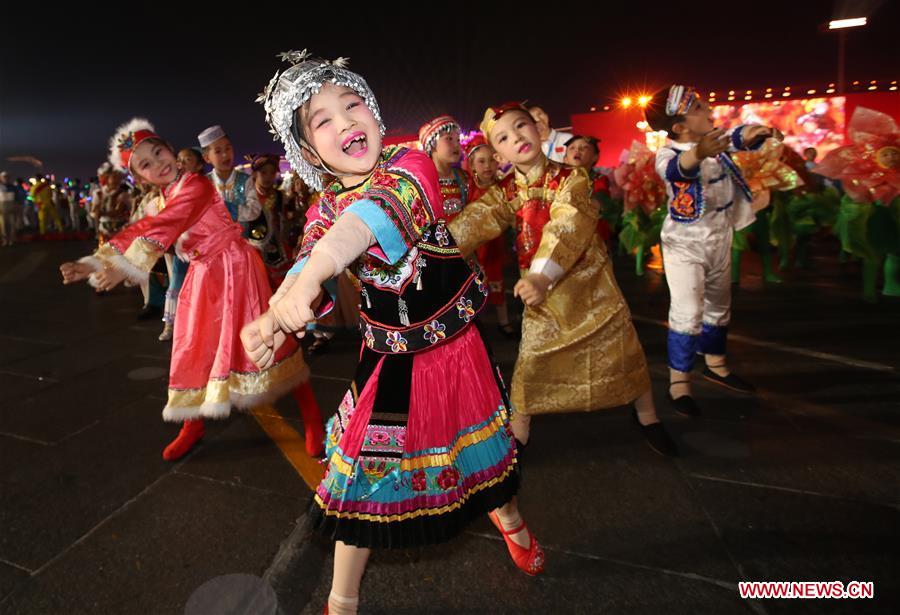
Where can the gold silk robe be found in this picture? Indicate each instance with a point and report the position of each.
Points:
(579, 348)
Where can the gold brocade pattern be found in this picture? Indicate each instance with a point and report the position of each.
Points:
(579, 348)
(143, 254)
(106, 254)
(221, 390)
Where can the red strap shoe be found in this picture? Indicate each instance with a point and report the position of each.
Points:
(530, 560)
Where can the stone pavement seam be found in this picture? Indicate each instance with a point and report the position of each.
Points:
(891, 505)
(755, 606)
(621, 562)
(100, 524)
(288, 551)
(16, 566)
(787, 405)
(230, 483)
(25, 439)
(28, 340)
(111, 516)
(815, 354)
(79, 431)
(825, 413)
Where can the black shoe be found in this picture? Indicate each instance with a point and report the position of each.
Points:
(684, 405)
(319, 346)
(150, 311)
(520, 457)
(656, 436)
(510, 331)
(729, 382)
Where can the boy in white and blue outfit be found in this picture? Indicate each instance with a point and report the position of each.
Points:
(708, 200)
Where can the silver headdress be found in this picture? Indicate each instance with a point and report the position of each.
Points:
(291, 88)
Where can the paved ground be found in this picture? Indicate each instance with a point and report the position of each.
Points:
(797, 483)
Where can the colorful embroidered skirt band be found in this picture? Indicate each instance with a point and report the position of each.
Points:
(419, 447)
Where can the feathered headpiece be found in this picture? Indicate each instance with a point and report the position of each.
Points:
(126, 138)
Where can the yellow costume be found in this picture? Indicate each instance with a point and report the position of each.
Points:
(42, 196)
(579, 349)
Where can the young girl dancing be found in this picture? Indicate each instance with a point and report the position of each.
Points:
(416, 450)
(225, 288)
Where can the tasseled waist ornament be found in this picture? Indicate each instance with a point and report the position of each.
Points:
(428, 297)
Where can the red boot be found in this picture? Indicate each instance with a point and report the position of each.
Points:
(191, 433)
(312, 419)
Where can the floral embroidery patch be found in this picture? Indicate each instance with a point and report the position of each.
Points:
(442, 235)
(683, 202)
(465, 309)
(448, 478)
(396, 341)
(435, 332)
(481, 286)
(390, 277)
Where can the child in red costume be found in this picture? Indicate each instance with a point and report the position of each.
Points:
(481, 162)
(225, 288)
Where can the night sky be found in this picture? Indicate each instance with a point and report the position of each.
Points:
(67, 80)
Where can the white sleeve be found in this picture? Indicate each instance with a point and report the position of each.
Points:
(345, 241)
(663, 156)
(249, 211)
(547, 267)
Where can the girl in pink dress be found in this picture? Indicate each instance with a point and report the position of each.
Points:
(225, 288)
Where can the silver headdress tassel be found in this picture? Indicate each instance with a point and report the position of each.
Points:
(289, 89)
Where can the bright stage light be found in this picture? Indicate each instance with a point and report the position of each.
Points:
(626, 102)
(837, 24)
(643, 100)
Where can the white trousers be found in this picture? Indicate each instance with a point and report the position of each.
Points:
(699, 278)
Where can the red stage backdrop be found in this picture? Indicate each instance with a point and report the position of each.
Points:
(807, 122)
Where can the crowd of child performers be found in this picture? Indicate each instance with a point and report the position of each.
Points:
(384, 485)
(416, 451)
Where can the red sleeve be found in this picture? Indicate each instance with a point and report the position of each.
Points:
(138, 246)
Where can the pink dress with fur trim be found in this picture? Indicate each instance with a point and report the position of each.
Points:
(225, 288)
